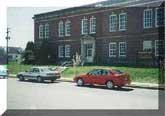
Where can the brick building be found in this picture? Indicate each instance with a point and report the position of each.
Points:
(105, 32)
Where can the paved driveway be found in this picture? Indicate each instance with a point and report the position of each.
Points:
(65, 95)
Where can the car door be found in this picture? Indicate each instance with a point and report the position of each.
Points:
(35, 73)
(90, 77)
(27, 74)
(94, 76)
(97, 77)
(101, 76)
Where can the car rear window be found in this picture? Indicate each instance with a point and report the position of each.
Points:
(45, 69)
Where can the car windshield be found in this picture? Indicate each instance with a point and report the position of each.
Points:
(118, 71)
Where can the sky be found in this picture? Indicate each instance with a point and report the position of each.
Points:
(19, 17)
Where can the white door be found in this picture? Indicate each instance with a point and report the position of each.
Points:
(89, 52)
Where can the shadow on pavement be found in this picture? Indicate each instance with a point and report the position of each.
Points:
(104, 87)
(34, 81)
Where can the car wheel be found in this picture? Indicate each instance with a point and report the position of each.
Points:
(39, 79)
(52, 81)
(80, 82)
(21, 78)
(120, 87)
(110, 85)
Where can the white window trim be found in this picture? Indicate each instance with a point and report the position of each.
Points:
(112, 56)
(66, 34)
(144, 18)
(156, 54)
(156, 21)
(45, 30)
(41, 37)
(60, 23)
(82, 32)
(120, 51)
(110, 23)
(59, 54)
(91, 19)
(66, 51)
(120, 22)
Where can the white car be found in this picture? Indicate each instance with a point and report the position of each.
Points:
(3, 72)
(39, 74)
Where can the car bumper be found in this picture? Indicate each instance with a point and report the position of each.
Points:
(3, 76)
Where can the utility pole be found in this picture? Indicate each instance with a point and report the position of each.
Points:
(7, 39)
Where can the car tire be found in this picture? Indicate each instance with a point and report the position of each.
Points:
(39, 79)
(21, 78)
(80, 82)
(119, 87)
(109, 84)
(52, 81)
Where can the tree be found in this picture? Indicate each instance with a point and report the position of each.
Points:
(29, 53)
(44, 53)
(76, 62)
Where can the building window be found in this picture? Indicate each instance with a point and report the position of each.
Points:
(112, 49)
(122, 49)
(84, 26)
(67, 28)
(60, 51)
(147, 18)
(93, 25)
(159, 17)
(47, 31)
(122, 21)
(89, 48)
(41, 31)
(61, 29)
(147, 46)
(67, 51)
(159, 47)
(112, 23)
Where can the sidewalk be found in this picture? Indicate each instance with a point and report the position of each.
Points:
(133, 84)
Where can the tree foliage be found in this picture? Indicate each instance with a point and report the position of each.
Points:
(28, 55)
(44, 53)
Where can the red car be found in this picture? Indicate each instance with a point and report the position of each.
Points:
(110, 78)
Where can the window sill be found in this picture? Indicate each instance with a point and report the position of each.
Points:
(122, 56)
(147, 27)
(112, 56)
(122, 30)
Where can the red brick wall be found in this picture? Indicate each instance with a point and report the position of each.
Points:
(134, 35)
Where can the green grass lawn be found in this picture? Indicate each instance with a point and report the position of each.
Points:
(147, 75)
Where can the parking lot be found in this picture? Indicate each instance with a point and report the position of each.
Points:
(66, 95)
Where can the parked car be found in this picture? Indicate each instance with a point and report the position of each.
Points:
(3, 72)
(39, 74)
(110, 78)
(66, 64)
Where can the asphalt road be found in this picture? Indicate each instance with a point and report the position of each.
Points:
(65, 95)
